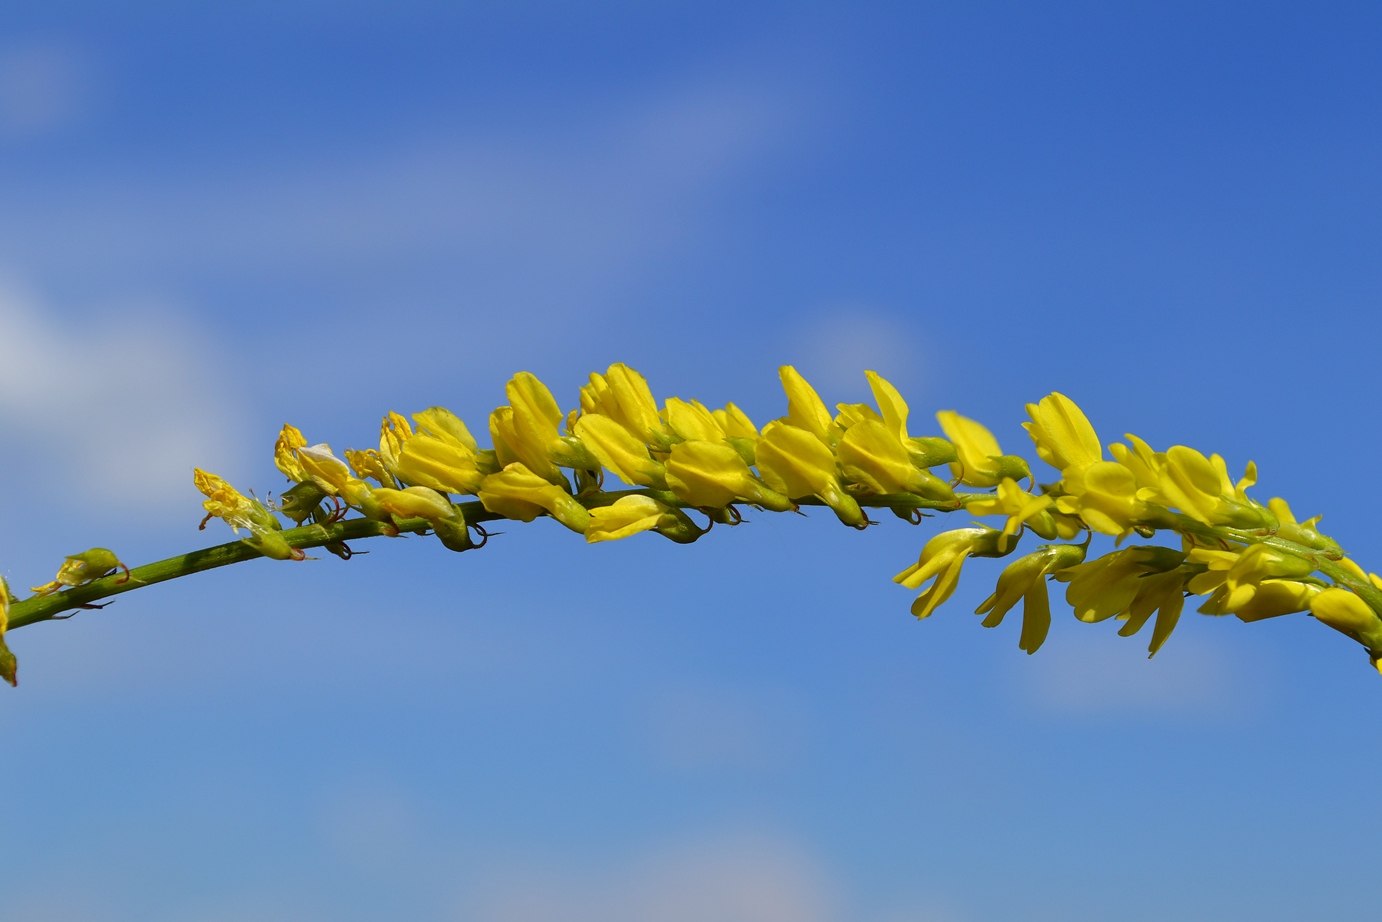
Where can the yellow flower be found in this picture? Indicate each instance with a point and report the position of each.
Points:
(447, 426)
(1163, 593)
(739, 431)
(1145, 465)
(1062, 433)
(1234, 575)
(289, 441)
(1102, 588)
(627, 516)
(77, 570)
(1346, 612)
(331, 474)
(415, 503)
(805, 409)
(4, 607)
(1200, 487)
(942, 558)
(1275, 597)
(872, 454)
(890, 404)
(981, 463)
(1104, 495)
(1025, 578)
(230, 505)
(735, 423)
(527, 431)
(692, 420)
(1017, 504)
(239, 511)
(428, 459)
(369, 463)
(712, 474)
(850, 414)
(623, 395)
(620, 452)
(797, 464)
(518, 493)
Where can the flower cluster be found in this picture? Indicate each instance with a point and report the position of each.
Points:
(676, 457)
(1246, 559)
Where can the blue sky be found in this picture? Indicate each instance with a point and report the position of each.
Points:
(215, 221)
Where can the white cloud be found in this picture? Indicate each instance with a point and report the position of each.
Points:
(526, 217)
(113, 410)
(734, 879)
(42, 87)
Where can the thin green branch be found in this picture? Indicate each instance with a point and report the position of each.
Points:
(47, 607)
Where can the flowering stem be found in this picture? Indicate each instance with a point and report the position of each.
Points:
(48, 607)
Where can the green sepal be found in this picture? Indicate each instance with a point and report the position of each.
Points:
(453, 533)
(747, 448)
(273, 545)
(1014, 466)
(677, 526)
(931, 450)
(301, 500)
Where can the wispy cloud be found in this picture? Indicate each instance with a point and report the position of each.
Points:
(744, 878)
(112, 409)
(530, 212)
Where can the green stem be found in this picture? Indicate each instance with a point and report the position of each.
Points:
(46, 607)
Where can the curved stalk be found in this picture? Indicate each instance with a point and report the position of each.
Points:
(47, 607)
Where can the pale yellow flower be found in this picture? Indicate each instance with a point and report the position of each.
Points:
(1025, 578)
(618, 451)
(805, 409)
(942, 558)
(626, 516)
(518, 493)
(1062, 433)
(980, 462)
(871, 454)
(713, 474)
(795, 463)
(1016, 503)
(1346, 612)
(692, 420)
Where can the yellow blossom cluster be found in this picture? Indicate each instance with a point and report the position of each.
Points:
(680, 460)
(1247, 559)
